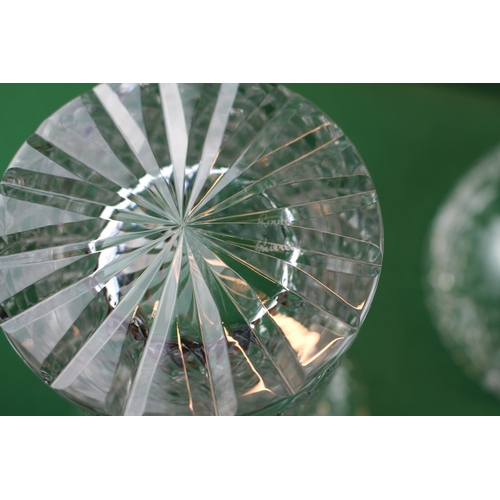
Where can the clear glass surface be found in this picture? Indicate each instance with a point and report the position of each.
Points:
(342, 392)
(186, 249)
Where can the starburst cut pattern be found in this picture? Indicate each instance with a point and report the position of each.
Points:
(186, 249)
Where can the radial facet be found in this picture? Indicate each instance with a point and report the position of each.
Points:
(186, 249)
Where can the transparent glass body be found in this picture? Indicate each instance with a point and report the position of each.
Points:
(186, 249)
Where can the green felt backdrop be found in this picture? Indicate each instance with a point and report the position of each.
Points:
(416, 141)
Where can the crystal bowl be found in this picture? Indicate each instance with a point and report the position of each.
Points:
(186, 249)
(463, 272)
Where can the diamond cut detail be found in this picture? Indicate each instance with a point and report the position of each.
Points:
(186, 249)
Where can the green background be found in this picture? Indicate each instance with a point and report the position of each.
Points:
(416, 140)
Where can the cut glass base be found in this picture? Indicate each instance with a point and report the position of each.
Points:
(186, 249)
